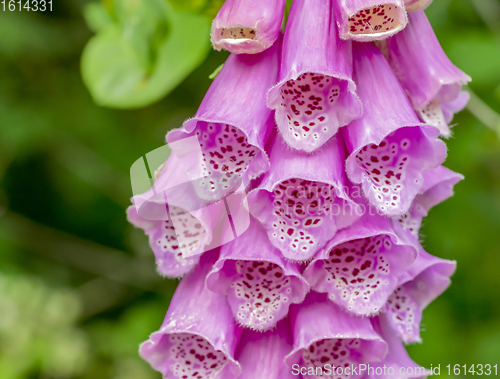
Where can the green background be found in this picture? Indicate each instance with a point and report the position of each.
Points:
(78, 286)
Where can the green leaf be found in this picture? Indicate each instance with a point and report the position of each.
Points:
(145, 54)
(97, 16)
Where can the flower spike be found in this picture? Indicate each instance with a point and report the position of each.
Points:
(247, 26)
(316, 94)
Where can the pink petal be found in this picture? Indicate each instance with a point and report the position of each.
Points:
(425, 72)
(426, 279)
(397, 363)
(262, 355)
(437, 187)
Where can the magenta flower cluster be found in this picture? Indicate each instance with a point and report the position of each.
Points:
(336, 144)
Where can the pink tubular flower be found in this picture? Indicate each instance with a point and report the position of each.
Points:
(389, 148)
(325, 336)
(369, 20)
(179, 225)
(437, 187)
(262, 355)
(397, 363)
(259, 283)
(315, 95)
(359, 268)
(426, 279)
(199, 337)
(424, 70)
(231, 133)
(247, 26)
(302, 200)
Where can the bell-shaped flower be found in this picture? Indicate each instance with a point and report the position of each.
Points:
(198, 338)
(180, 226)
(325, 337)
(262, 354)
(423, 69)
(389, 148)
(259, 283)
(437, 187)
(302, 201)
(426, 279)
(397, 363)
(359, 268)
(370, 20)
(247, 26)
(232, 125)
(315, 95)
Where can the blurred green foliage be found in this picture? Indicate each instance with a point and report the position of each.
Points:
(78, 287)
(142, 50)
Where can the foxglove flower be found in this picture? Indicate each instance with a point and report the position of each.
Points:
(389, 148)
(259, 283)
(437, 187)
(416, 5)
(179, 225)
(397, 363)
(427, 278)
(262, 355)
(244, 26)
(302, 201)
(424, 70)
(359, 268)
(198, 337)
(325, 336)
(315, 95)
(231, 133)
(369, 20)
